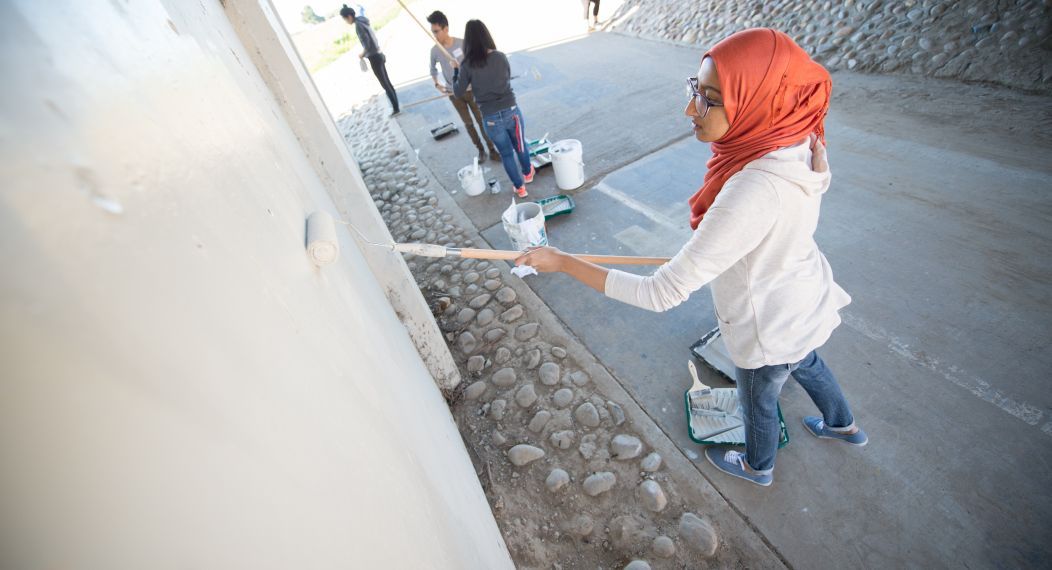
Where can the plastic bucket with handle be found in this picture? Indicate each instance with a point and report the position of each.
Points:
(567, 156)
(524, 224)
(471, 179)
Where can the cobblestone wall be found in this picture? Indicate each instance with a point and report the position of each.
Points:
(1006, 42)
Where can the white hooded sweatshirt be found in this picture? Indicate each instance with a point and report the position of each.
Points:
(774, 293)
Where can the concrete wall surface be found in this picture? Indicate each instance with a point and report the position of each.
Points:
(179, 386)
(271, 51)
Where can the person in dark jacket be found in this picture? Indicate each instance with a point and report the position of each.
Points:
(371, 50)
(488, 73)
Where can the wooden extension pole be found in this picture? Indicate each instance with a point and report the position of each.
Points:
(475, 253)
(428, 32)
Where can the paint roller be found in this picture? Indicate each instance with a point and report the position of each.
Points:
(323, 248)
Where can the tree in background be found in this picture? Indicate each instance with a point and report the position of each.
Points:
(309, 16)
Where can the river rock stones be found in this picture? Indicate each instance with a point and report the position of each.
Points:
(562, 397)
(527, 331)
(625, 446)
(652, 496)
(467, 342)
(475, 390)
(479, 301)
(533, 358)
(651, 463)
(485, 317)
(523, 454)
(599, 483)
(581, 526)
(556, 480)
(506, 296)
(629, 533)
(663, 547)
(493, 335)
(512, 314)
(587, 415)
(580, 378)
(698, 534)
(526, 396)
(562, 439)
(497, 409)
(540, 419)
(588, 446)
(549, 373)
(505, 377)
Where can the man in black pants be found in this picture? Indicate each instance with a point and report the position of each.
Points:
(371, 50)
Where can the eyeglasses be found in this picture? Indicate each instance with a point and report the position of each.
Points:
(702, 104)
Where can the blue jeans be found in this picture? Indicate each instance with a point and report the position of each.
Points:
(758, 391)
(507, 129)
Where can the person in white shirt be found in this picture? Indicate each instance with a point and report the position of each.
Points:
(466, 105)
(761, 103)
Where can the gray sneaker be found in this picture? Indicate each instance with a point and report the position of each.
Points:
(818, 428)
(732, 462)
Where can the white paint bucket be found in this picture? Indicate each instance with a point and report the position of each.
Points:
(471, 179)
(525, 225)
(567, 156)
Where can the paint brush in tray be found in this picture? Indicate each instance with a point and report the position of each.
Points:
(706, 402)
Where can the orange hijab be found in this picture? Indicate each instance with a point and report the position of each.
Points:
(774, 96)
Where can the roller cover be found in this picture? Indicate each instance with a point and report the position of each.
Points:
(322, 245)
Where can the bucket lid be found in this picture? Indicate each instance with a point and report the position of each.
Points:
(565, 146)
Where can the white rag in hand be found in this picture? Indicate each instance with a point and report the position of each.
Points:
(523, 270)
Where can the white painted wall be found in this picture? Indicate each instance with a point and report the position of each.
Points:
(179, 387)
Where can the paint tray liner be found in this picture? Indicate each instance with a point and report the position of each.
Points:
(540, 151)
(556, 205)
(712, 351)
(707, 426)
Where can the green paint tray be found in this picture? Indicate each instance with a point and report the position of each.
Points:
(711, 428)
(556, 205)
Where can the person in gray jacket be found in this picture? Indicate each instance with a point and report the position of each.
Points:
(371, 50)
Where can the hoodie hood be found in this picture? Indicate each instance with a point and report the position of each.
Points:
(804, 164)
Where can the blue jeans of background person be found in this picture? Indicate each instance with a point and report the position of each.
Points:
(758, 391)
(507, 130)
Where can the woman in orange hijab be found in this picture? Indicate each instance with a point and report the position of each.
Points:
(761, 102)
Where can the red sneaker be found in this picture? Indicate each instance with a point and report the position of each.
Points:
(529, 177)
(521, 192)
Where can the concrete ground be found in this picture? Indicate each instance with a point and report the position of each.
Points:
(938, 224)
